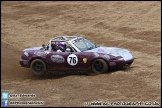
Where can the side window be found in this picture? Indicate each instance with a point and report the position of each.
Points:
(58, 46)
(61, 47)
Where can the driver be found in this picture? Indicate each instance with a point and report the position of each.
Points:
(62, 46)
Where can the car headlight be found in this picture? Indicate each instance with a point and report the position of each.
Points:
(26, 54)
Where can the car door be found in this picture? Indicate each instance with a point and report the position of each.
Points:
(72, 60)
(69, 60)
(78, 60)
(63, 60)
(54, 60)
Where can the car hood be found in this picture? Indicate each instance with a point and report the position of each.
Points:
(113, 51)
(33, 48)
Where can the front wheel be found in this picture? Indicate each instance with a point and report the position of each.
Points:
(99, 66)
(38, 67)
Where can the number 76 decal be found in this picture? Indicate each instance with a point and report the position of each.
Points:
(72, 59)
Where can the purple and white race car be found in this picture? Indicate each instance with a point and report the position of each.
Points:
(74, 53)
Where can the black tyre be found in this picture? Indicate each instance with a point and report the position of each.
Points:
(38, 67)
(99, 66)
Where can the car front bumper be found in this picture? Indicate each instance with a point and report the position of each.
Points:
(120, 63)
(24, 63)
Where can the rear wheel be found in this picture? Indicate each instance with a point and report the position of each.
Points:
(99, 66)
(38, 67)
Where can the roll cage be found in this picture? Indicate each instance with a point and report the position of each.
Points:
(80, 46)
(67, 39)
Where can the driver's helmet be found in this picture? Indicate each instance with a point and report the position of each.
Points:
(62, 45)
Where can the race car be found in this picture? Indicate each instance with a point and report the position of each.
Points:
(74, 53)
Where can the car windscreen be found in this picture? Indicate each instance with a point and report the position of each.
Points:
(83, 44)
